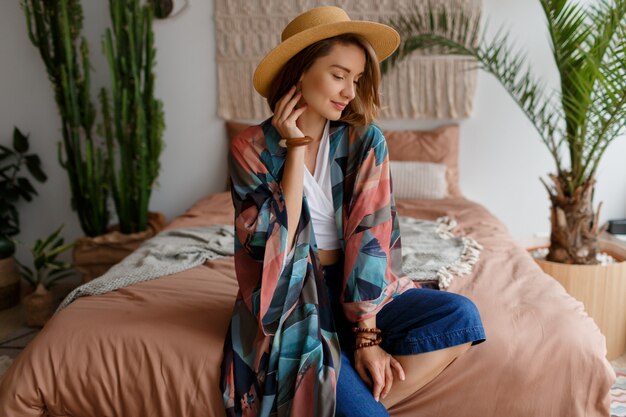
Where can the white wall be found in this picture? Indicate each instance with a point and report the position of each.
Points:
(501, 157)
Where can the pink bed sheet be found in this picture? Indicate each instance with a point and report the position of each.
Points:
(154, 348)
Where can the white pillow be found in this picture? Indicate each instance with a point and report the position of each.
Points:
(423, 180)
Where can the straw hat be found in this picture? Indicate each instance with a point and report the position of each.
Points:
(314, 25)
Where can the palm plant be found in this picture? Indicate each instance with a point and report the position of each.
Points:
(576, 124)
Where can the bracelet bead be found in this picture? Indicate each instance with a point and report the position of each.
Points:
(361, 333)
(368, 344)
(291, 142)
(366, 330)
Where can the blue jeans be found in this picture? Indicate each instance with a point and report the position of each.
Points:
(419, 320)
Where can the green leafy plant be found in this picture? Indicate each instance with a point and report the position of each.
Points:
(54, 27)
(135, 126)
(47, 269)
(15, 187)
(576, 123)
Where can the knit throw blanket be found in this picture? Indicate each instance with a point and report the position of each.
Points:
(430, 251)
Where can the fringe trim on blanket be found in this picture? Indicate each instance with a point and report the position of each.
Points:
(469, 256)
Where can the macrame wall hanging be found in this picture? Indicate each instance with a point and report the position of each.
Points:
(425, 85)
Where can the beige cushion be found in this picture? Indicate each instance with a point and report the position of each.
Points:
(422, 180)
(439, 145)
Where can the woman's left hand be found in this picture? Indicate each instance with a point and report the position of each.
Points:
(376, 367)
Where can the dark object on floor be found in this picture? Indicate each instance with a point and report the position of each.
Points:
(12, 344)
(617, 227)
(9, 283)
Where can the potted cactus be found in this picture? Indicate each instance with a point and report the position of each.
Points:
(54, 27)
(132, 126)
(125, 162)
(39, 304)
(13, 188)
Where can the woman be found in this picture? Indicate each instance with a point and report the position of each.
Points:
(325, 322)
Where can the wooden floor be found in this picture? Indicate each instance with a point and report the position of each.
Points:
(10, 320)
(14, 334)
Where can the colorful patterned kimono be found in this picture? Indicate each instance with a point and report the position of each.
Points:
(282, 353)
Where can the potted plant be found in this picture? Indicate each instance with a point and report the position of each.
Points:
(54, 27)
(46, 270)
(13, 188)
(133, 128)
(126, 162)
(585, 116)
(576, 123)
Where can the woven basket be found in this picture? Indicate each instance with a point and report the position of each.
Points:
(38, 306)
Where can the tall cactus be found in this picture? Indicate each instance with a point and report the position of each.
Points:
(136, 123)
(54, 27)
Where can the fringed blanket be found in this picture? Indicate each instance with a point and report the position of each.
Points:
(429, 251)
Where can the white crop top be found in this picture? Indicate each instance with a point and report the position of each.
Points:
(319, 195)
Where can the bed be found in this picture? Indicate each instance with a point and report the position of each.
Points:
(154, 348)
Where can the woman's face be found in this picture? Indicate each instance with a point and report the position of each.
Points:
(331, 82)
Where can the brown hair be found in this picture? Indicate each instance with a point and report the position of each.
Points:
(363, 109)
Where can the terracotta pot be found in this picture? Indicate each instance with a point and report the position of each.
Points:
(601, 288)
(9, 283)
(38, 306)
(93, 256)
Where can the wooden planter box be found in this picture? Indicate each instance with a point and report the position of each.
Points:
(602, 289)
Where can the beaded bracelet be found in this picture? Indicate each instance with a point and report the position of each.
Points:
(291, 142)
(375, 330)
(367, 330)
(366, 338)
(368, 344)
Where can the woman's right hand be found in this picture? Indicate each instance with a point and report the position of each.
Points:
(286, 114)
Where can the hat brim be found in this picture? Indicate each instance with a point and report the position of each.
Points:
(384, 39)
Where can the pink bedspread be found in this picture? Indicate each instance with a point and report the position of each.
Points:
(154, 348)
